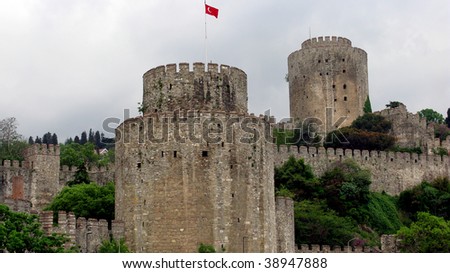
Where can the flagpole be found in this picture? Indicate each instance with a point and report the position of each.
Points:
(206, 40)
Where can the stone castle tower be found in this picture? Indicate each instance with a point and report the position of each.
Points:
(328, 81)
(196, 167)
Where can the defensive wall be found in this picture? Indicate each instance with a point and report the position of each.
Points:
(392, 172)
(313, 248)
(219, 87)
(30, 185)
(87, 234)
(195, 177)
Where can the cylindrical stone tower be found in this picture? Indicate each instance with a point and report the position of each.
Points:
(196, 168)
(328, 81)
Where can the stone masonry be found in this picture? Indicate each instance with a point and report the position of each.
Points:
(196, 175)
(328, 82)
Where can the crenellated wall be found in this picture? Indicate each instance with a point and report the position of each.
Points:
(391, 172)
(85, 234)
(32, 184)
(167, 88)
(328, 82)
(336, 249)
(99, 175)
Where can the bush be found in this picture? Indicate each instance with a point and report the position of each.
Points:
(113, 246)
(429, 234)
(204, 248)
(381, 213)
(316, 224)
(432, 197)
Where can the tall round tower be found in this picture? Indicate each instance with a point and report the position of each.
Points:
(328, 81)
(196, 168)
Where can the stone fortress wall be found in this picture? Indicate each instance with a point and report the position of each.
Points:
(32, 184)
(87, 234)
(220, 87)
(198, 175)
(328, 81)
(392, 172)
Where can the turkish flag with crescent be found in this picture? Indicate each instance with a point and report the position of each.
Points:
(211, 11)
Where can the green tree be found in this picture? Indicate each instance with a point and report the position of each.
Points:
(315, 223)
(21, 232)
(113, 246)
(352, 138)
(346, 188)
(428, 197)
(75, 154)
(372, 123)
(81, 176)
(367, 106)
(431, 116)
(297, 177)
(86, 200)
(429, 234)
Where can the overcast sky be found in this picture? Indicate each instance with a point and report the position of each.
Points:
(66, 65)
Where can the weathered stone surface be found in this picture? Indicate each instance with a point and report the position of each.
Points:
(328, 80)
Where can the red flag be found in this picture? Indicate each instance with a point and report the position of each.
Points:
(211, 11)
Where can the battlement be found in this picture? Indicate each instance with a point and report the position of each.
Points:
(211, 86)
(305, 248)
(361, 155)
(392, 172)
(87, 234)
(198, 68)
(326, 41)
(42, 149)
(14, 164)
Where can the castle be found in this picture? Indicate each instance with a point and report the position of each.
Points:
(196, 167)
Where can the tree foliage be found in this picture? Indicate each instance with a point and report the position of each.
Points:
(205, 248)
(367, 132)
(429, 234)
(86, 200)
(316, 224)
(380, 213)
(297, 177)
(352, 138)
(367, 106)
(21, 232)
(12, 145)
(75, 154)
(428, 197)
(372, 123)
(346, 187)
(431, 116)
